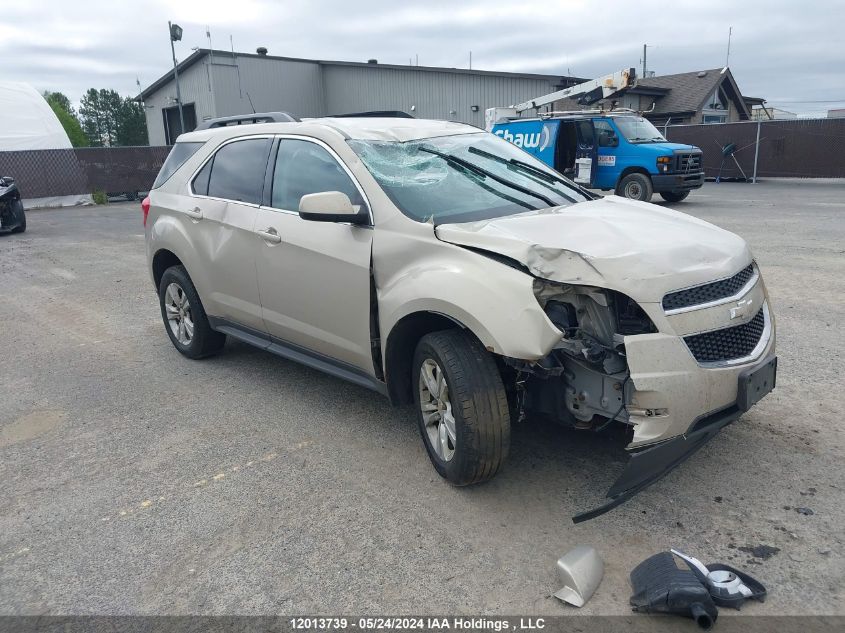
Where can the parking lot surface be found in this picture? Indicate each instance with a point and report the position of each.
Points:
(137, 481)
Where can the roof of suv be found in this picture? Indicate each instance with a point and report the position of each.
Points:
(361, 128)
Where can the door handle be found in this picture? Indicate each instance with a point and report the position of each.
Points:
(195, 213)
(270, 235)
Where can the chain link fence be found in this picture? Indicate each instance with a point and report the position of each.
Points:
(796, 148)
(803, 148)
(46, 173)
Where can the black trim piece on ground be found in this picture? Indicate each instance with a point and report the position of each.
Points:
(650, 465)
(293, 352)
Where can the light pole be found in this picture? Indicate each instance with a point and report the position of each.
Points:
(175, 36)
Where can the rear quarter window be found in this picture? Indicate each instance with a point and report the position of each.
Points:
(180, 153)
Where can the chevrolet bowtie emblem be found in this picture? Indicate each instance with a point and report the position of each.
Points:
(742, 308)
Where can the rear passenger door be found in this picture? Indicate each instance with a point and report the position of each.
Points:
(228, 189)
(314, 277)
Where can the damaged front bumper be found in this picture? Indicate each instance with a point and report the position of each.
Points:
(650, 464)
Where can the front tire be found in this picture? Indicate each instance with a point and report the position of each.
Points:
(22, 215)
(184, 317)
(462, 407)
(635, 187)
(670, 196)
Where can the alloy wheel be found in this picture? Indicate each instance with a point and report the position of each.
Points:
(178, 311)
(436, 407)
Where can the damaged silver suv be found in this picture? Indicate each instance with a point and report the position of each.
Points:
(442, 266)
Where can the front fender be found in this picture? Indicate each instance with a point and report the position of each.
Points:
(496, 302)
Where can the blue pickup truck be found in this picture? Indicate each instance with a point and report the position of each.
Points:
(619, 151)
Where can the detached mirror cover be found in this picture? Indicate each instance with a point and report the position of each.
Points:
(580, 571)
(331, 206)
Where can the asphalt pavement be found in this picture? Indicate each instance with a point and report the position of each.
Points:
(136, 481)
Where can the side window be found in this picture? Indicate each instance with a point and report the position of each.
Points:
(303, 167)
(180, 153)
(606, 134)
(200, 182)
(238, 170)
(585, 133)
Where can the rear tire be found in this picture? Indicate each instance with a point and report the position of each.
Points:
(635, 187)
(22, 215)
(466, 386)
(670, 196)
(184, 317)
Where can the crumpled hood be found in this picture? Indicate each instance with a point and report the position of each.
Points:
(640, 249)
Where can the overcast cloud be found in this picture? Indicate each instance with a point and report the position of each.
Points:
(790, 53)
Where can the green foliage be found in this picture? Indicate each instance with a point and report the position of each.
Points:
(67, 117)
(59, 99)
(109, 120)
(99, 196)
(132, 125)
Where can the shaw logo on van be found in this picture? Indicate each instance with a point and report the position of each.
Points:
(534, 136)
(538, 140)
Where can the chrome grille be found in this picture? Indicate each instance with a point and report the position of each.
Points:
(729, 343)
(708, 292)
(689, 163)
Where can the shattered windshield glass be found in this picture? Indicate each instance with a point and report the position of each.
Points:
(464, 178)
(638, 130)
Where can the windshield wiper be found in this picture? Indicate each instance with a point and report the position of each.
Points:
(540, 173)
(457, 160)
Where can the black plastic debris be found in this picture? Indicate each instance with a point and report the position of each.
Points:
(660, 586)
(805, 511)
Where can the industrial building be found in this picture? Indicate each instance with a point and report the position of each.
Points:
(216, 83)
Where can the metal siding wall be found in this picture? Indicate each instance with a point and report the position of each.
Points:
(435, 94)
(309, 89)
(193, 84)
(272, 85)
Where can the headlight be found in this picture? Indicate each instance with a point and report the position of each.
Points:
(663, 163)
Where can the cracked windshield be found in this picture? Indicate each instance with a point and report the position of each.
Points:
(464, 178)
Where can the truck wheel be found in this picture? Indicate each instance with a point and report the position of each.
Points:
(184, 317)
(462, 407)
(670, 196)
(635, 187)
(19, 211)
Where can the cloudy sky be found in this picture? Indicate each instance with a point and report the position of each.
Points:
(787, 51)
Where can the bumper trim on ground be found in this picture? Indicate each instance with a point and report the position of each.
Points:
(651, 464)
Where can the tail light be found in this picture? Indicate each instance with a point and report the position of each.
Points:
(145, 207)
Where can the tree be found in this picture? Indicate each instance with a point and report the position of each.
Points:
(109, 120)
(132, 124)
(67, 117)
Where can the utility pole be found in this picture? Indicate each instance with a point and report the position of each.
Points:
(645, 53)
(470, 60)
(176, 35)
(211, 72)
(728, 56)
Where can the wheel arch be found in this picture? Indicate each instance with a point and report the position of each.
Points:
(632, 169)
(401, 343)
(162, 260)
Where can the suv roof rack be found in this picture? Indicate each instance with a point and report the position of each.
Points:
(247, 119)
(393, 114)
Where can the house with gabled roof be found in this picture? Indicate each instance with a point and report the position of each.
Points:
(705, 96)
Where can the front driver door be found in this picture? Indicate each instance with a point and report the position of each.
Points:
(314, 277)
